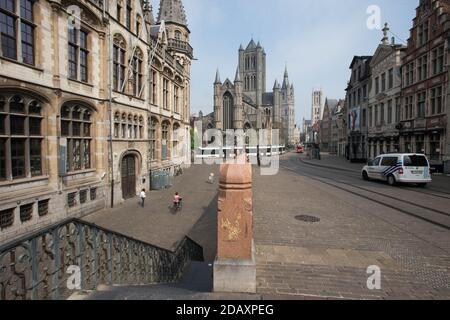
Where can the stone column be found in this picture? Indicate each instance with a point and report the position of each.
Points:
(235, 267)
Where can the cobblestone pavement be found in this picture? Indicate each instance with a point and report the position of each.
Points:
(156, 224)
(329, 259)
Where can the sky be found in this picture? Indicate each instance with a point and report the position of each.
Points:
(317, 39)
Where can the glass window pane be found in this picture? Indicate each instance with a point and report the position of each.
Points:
(8, 36)
(2, 159)
(65, 128)
(34, 108)
(16, 105)
(76, 129)
(86, 130)
(2, 123)
(26, 9)
(35, 126)
(76, 153)
(8, 5)
(87, 154)
(35, 157)
(17, 124)
(18, 158)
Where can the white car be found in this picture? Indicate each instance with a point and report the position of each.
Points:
(399, 168)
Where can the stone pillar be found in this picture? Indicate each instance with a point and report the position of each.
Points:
(235, 267)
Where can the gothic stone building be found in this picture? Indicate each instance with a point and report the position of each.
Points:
(245, 104)
(82, 126)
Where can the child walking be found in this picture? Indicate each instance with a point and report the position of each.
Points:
(143, 196)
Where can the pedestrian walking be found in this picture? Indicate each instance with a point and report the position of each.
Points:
(143, 196)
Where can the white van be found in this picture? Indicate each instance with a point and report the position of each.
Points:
(399, 168)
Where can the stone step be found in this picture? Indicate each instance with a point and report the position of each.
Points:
(196, 284)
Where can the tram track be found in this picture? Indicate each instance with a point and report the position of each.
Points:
(441, 194)
(427, 216)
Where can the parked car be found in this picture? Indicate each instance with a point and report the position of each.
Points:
(300, 149)
(399, 168)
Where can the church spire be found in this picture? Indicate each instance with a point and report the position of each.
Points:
(148, 12)
(217, 77)
(286, 78)
(172, 11)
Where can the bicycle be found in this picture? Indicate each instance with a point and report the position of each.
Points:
(177, 206)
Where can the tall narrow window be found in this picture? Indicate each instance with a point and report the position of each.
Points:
(137, 72)
(76, 125)
(166, 94)
(152, 124)
(119, 63)
(176, 99)
(421, 104)
(13, 21)
(128, 15)
(436, 100)
(391, 79)
(154, 87)
(78, 55)
(389, 115)
(165, 139)
(383, 82)
(119, 12)
(438, 60)
(227, 111)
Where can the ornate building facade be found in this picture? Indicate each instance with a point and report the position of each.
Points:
(245, 104)
(86, 116)
(425, 110)
(385, 97)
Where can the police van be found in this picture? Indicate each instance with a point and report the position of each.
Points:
(399, 168)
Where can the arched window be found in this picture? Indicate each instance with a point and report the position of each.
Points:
(137, 72)
(141, 127)
(76, 123)
(20, 137)
(177, 35)
(117, 125)
(227, 111)
(135, 127)
(119, 52)
(152, 136)
(124, 125)
(130, 127)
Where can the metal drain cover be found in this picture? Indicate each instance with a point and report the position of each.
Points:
(309, 219)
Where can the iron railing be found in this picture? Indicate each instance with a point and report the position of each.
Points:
(41, 266)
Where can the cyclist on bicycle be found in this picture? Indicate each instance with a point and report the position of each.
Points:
(177, 200)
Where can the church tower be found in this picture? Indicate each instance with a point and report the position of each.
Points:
(252, 66)
(173, 14)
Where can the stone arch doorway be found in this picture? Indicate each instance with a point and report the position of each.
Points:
(128, 175)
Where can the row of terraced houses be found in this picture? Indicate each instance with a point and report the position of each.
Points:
(94, 105)
(397, 99)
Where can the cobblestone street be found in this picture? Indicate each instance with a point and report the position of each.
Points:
(330, 258)
(327, 259)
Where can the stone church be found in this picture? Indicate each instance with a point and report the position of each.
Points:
(245, 104)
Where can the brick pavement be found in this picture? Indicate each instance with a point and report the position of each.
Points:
(156, 224)
(329, 259)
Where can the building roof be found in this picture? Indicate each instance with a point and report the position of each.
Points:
(172, 11)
